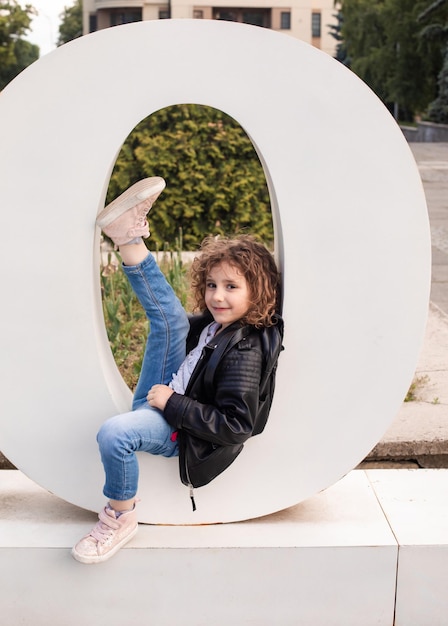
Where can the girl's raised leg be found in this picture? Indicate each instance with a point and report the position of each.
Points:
(124, 220)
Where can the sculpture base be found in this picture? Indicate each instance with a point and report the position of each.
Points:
(371, 546)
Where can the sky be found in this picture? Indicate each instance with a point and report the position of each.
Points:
(45, 26)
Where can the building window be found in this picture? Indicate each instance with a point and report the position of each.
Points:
(315, 25)
(164, 14)
(256, 17)
(198, 14)
(93, 23)
(228, 16)
(285, 20)
(119, 17)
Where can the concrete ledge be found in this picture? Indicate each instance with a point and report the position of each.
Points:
(5, 464)
(426, 132)
(419, 432)
(329, 561)
(373, 545)
(415, 503)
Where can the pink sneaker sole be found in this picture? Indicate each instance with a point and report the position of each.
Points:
(142, 190)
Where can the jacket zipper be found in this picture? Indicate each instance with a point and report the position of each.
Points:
(212, 347)
(190, 486)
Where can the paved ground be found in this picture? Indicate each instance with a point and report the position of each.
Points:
(419, 434)
(432, 159)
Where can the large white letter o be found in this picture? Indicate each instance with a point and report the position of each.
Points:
(352, 239)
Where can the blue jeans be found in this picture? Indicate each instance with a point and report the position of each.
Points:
(144, 428)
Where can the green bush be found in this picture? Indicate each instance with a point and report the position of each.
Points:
(215, 182)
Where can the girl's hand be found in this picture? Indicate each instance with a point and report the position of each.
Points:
(158, 396)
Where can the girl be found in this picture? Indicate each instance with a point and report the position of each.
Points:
(201, 407)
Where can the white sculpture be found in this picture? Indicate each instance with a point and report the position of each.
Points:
(352, 239)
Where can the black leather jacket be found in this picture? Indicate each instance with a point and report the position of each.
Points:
(220, 408)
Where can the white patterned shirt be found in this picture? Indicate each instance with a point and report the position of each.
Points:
(180, 380)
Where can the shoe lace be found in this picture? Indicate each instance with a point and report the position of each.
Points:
(104, 528)
(141, 221)
(142, 212)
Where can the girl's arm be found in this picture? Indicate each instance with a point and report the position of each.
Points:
(231, 418)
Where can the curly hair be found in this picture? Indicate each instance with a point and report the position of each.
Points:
(254, 261)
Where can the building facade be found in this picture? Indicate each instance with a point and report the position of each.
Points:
(304, 19)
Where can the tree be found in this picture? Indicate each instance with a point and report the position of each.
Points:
(432, 9)
(414, 66)
(25, 53)
(335, 30)
(438, 109)
(15, 52)
(437, 31)
(71, 23)
(215, 182)
(386, 49)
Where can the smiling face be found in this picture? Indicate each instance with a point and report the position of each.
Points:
(227, 294)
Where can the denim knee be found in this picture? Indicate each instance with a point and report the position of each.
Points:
(109, 437)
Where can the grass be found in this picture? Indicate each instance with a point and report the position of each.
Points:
(126, 324)
(417, 384)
